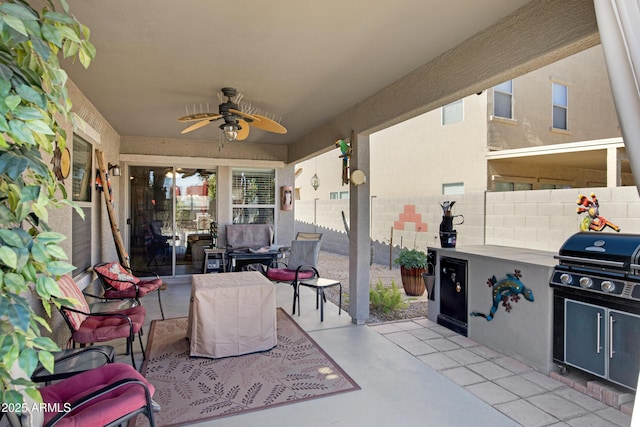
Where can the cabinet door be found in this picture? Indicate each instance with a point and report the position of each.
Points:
(585, 336)
(624, 354)
(453, 289)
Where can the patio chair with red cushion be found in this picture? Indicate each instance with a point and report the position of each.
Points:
(105, 396)
(121, 283)
(88, 328)
(302, 264)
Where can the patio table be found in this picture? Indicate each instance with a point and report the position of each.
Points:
(231, 314)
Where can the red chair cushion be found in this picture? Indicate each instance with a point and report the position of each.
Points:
(103, 410)
(144, 287)
(105, 328)
(116, 275)
(286, 275)
(69, 289)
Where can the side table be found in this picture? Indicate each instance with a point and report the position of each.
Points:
(319, 284)
(74, 361)
(215, 259)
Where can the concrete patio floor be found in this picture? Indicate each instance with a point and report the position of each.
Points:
(411, 373)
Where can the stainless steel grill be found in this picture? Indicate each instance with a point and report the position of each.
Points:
(597, 306)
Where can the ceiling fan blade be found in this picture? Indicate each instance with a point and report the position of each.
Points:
(244, 132)
(241, 114)
(267, 124)
(199, 116)
(197, 125)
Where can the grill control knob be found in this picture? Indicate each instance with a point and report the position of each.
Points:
(608, 286)
(565, 279)
(586, 282)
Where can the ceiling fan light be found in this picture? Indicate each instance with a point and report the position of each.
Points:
(230, 132)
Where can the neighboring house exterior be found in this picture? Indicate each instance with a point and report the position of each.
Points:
(554, 128)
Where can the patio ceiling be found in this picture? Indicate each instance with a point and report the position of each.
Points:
(310, 63)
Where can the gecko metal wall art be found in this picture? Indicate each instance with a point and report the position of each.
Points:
(505, 291)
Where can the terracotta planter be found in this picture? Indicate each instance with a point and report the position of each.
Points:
(412, 281)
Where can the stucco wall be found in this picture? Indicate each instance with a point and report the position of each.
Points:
(590, 112)
(418, 156)
(94, 128)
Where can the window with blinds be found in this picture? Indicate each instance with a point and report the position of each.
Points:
(453, 188)
(339, 195)
(503, 100)
(253, 193)
(560, 105)
(453, 113)
(82, 178)
(81, 170)
(81, 241)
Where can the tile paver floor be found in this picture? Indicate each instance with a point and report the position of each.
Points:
(510, 386)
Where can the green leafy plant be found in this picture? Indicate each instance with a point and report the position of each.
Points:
(411, 258)
(34, 107)
(386, 299)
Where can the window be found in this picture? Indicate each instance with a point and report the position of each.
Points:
(503, 100)
(82, 177)
(254, 196)
(453, 188)
(560, 105)
(547, 186)
(338, 195)
(453, 113)
(512, 186)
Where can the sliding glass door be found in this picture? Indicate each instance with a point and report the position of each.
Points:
(171, 213)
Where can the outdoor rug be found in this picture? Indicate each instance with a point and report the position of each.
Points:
(197, 389)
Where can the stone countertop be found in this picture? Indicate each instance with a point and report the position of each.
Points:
(530, 256)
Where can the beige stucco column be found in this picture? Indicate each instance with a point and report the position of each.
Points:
(359, 241)
(614, 167)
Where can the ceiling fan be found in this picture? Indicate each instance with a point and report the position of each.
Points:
(237, 116)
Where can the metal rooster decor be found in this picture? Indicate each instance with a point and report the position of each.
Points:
(593, 220)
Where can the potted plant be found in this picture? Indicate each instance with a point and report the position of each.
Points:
(412, 264)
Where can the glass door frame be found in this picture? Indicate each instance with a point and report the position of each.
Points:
(127, 235)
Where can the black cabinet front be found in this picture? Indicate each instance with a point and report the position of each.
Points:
(602, 341)
(624, 342)
(585, 337)
(453, 294)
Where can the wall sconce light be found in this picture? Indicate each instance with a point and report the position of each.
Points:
(315, 182)
(115, 168)
(358, 177)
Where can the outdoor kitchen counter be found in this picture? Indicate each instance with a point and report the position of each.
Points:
(529, 256)
(524, 332)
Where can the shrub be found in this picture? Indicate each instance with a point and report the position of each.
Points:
(386, 299)
(411, 258)
(34, 109)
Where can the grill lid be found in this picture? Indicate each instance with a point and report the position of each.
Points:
(613, 251)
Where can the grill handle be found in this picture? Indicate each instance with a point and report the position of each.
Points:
(598, 319)
(601, 262)
(611, 320)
